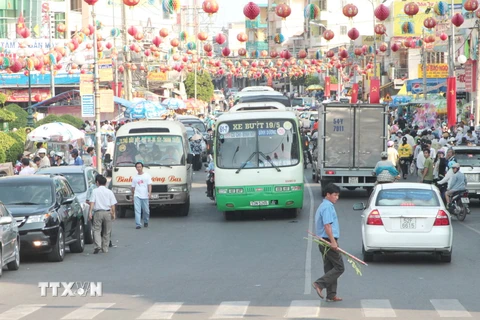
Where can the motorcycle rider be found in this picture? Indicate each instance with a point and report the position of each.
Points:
(210, 170)
(306, 148)
(385, 170)
(458, 182)
(59, 159)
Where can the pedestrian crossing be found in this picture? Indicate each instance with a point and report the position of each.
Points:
(298, 309)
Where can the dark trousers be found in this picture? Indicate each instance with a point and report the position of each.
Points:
(209, 188)
(405, 166)
(197, 162)
(333, 268)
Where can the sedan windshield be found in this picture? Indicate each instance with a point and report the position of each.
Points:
(407, 198)
(468, 157)
(26, 193)
(76, 181)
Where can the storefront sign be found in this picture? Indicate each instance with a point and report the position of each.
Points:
(37, 79)
(157, 76)
(434, 70)
(105, 69)
(368, 40)
(22, 94)
(470, 76)
(86, 84)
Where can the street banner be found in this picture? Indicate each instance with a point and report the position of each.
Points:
(327, 86)
(354, 93)
(374, 90)
(452, 101)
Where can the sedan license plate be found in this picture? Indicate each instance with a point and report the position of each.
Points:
(353, 180)
(155, 196)
(465, 200)
(408, 223)
(259, 203)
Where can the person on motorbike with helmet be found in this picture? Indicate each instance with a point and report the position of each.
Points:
(210, 170)
(458, 182)
(59, 159)
(306, 148)
(385, 170)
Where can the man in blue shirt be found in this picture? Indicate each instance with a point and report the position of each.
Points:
(326, 225)
(77, 160)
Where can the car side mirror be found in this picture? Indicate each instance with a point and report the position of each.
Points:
(359, 206)
(68, 201)
(190, 158)
(6, 220)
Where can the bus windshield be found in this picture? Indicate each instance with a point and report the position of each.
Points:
(150, 149)
(257, 144)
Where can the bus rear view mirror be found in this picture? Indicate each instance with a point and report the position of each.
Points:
(190, 158)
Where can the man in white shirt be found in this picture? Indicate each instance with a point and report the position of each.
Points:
(44, 160)
(102, 206)
(142, 192)
(26, 169)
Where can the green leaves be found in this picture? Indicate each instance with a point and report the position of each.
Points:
(204, 86)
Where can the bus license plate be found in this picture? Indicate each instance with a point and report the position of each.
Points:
(408, 223)
(258, 203)
(353, 180)
(465, 200)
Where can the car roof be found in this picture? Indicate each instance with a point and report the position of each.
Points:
(65, 169)
(33, 177)
(406, 185)
(457, 148)
(180, 118)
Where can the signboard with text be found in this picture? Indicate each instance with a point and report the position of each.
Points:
(88, 105)
(434, 70)
(105, 69)
(86, 84)
(21, 95)
(470, 76)
(157, 76)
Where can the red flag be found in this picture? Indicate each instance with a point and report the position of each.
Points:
(374, 91)
(327, 86)
(452, 101)
(354, 93)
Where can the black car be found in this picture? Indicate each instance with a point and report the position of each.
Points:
(47, 212)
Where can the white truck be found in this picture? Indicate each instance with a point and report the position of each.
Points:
(350, 140)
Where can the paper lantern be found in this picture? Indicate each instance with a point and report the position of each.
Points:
(183, 36)
(273, 54)
(457, 19)
(350, 10)
(251, 10)
(163, 32)
(242, 37)
(16, 66)
(25, 33)
(381, 12)
(443, 36)
(343, 54)
(394, 47)
(311, 11)
(285, 54)
(470, 5)
(90, 2)
(108, 46)
(138, 36)
(226, 51)
(279, 38)
(328, 35)
(302, 54)
(210, 6)
(283, 10)
(380, 29)
(440, 8)
(383, 47)
(157, 41)
(242, 52)
(61, 27)
(131, 3)
(220, 38)
(358, 51)
(353, 34)
(174, 42)
(429, 23)
(132, 30)
(202, 36)
(207, 47)
(411, 9)
(170, 6)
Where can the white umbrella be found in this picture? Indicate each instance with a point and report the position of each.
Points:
(56, 131)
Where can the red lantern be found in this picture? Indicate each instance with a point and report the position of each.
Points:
(343, 54)
(138, 36)
(37, 98)
(411, 9)
(220, 38)
(330, 53)
(208, 47)
(328, 35)
(471, 5)
(121, 69)
(210, 6)
(457, 19)
(108, 45)
(251, 10)
(157, 41)
(283, 10)
(90, 2)
(353, 34)
(16, 66)
(273, 54)
(382, 12)
(174, 42)
(132, 31)
(380, 29)
(443, 36)
(163, 32)
(383, 47)
(302, 54)
(408, 43)
(242, 37)
(429, 23)
(131, 3)
(202, 36)
(430, 39)
(350, 10)
(226, 51)
(242, 52)
(358, 51)
(285, 54)
(61, 27)
(25, 33)
(395, 47)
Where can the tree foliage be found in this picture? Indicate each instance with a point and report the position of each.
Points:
(204, 86)
(11, 147)
(21, 115)
(66, 118)
(3, 99)
(311, 80)
(48, 119)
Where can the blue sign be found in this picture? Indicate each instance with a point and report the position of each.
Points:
(434, 85)
(88, 105)
(20, 79)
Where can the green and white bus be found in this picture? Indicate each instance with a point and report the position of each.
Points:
(258, 159)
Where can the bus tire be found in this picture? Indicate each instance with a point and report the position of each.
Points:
(183, 209)
(231, 215)
(291, 213)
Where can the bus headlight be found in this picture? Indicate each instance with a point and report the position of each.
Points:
(177, 188)
(120, 190)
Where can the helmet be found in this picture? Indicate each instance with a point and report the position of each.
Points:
(59, 154)
(42, 150)
(384, 155)
(451, 163)
(390, 143)
(456, 165)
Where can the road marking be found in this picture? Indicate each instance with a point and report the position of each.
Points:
(450, 308)
(231, 310)
(308, 255)
(303, 309)
(377, 308)
(20, 311)
(471, 228)
(162, 310)
(88, 311)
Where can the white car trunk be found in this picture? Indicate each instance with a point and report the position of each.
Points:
(408, 219)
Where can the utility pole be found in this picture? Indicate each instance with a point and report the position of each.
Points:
(115, 56)
(477, 83)
(96, 91)
(52, 73)
(127, 75)
(424, 66)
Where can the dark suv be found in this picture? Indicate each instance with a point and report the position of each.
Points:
(47, 212)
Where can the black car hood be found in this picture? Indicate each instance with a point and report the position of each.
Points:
(24, 210)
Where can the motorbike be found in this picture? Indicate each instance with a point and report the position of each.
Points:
(211, 182)
(459, 203)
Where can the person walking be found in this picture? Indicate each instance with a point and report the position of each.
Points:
(90, 189)
(142, 192)
(102, 212)
(427, 174)
(327, 227)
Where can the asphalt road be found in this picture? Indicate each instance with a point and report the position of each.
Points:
(261, 267)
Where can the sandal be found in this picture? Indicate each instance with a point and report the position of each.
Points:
(334, 299)
(318, 289)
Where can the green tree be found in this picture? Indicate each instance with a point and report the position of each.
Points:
(311, 80)
(3, 99)
(298, 81)
(204, 86)
(48, 119)
(21, 115)
(10, 147)
(74, 121)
